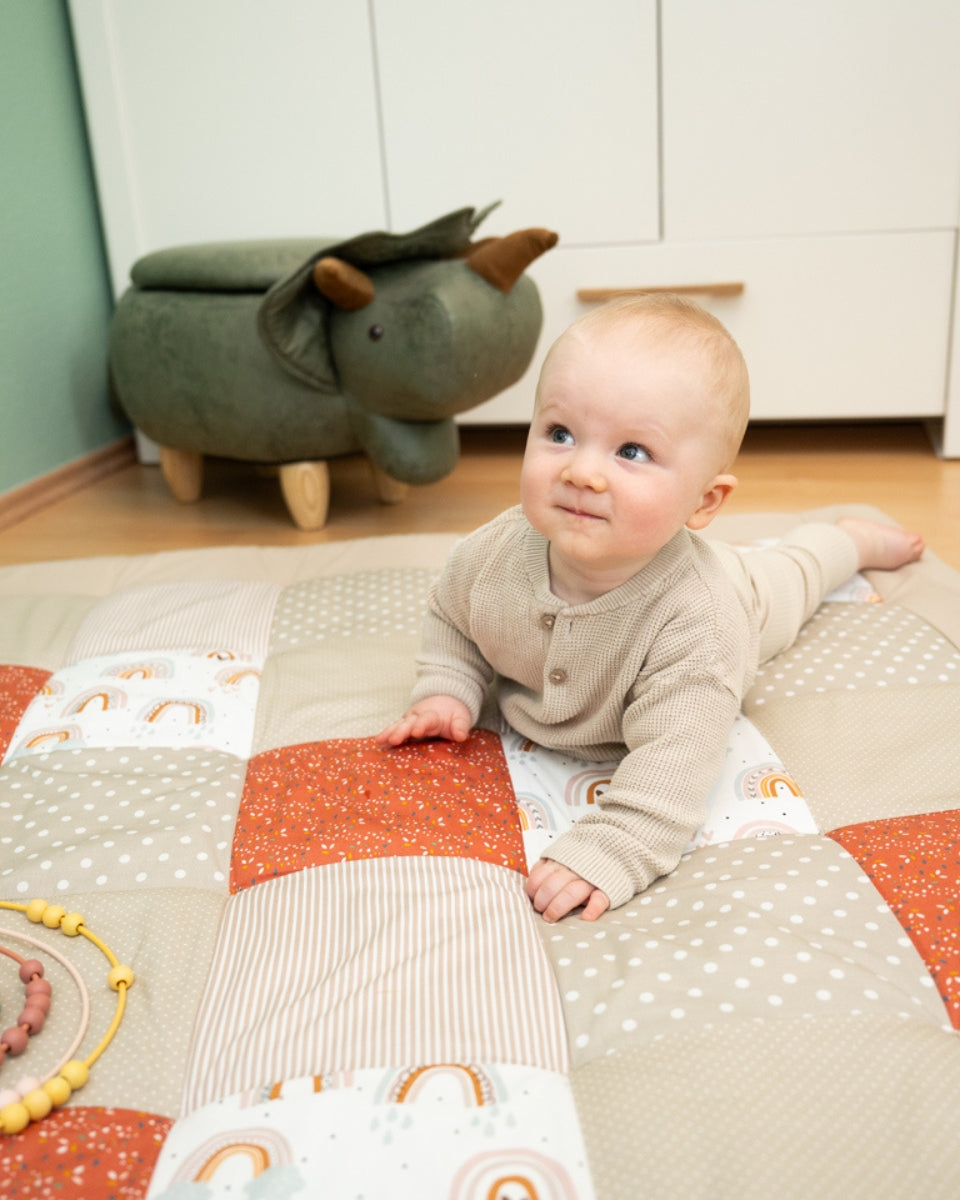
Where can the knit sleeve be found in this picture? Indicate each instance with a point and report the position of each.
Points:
(676, 733)
(449, 662)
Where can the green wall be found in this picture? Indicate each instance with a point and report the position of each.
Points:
(54, 290)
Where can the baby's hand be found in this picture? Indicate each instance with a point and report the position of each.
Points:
(556, 890)
(437, 716)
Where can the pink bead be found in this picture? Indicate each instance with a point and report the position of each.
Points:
(40, 1001)
(29, 968)
(39, 987)
(27, 1084)
(16, 1039)
(8, 1096)
(34, 1018)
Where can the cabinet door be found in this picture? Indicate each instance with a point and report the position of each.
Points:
(229, 119)
(548, 105)
(816, 117)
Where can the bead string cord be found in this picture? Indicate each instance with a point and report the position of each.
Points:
(57, 1090)
(36, 1005)
(81, 988)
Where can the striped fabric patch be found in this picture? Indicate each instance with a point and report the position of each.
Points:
(214, 615)
(382, 962)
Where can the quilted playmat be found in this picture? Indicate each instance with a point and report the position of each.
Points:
(284, 963)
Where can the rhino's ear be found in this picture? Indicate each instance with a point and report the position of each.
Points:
(343, 285)
(292, 322)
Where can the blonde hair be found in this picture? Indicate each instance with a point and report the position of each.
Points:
(678, 321)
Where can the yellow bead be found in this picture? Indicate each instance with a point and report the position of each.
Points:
(58, 1090)
(70, 925)
(120, 975)
(35, 910)
(75, 1073)
(53, 915)
(14, 1118)
(37, 1103)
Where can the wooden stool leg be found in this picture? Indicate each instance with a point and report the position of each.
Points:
(306, 489)
(183, 471)
(389, 490)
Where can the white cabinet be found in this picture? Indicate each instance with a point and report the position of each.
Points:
(810, 151)
(219, 119)
(550, 105)
(827, 116)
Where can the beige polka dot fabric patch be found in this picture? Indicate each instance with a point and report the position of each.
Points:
(847, 1106)
(856, 646)
(167, 938)
(771, 929)
(377, 604)
(111, 820)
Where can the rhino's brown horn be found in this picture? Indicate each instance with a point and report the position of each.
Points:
(343, 285)
(501, 261)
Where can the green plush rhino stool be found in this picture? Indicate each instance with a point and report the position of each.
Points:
(281, 352)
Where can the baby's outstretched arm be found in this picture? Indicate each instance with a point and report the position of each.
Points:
(437, 716)
(556, 890)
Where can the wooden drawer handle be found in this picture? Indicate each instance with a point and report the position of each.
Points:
(601, 295)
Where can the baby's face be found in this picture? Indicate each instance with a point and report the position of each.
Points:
(622, 449)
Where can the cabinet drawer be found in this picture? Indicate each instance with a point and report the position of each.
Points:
(832, 327)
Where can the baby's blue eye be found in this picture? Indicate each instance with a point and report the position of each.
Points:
(559, 434)
(633, 453)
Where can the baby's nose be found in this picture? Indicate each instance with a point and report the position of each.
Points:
(582, 473)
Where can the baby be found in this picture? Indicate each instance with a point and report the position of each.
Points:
(607, 626)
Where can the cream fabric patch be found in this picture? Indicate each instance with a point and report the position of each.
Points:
(872, 754)
(35, 631)
(209, 615)
(349, 687)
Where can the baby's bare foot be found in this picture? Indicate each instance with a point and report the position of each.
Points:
(882, 547)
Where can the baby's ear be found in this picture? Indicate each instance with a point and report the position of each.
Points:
(712, 501)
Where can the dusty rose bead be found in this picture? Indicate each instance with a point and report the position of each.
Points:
(41, 1000)
(38, 987)
(16, 1039)
(29, 968)
(34, 1018)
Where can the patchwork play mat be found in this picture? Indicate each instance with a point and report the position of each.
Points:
(338, 986)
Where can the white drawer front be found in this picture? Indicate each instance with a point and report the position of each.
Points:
(849, 327)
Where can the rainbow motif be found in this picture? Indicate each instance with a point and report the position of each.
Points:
(157, 668)
(533, 813)
(198, 712)
(261, 1148)
(473, 1083)
(51, 736)
(101, 699)
(528, 1174)
(768, 781)
(586, 787)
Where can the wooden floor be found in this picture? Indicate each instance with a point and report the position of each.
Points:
(781, 468)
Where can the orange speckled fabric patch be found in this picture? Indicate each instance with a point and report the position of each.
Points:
(84, 1153)
(914, 863)
(325, 802)
(18, 686)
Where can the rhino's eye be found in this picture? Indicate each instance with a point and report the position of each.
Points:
(376, 333)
